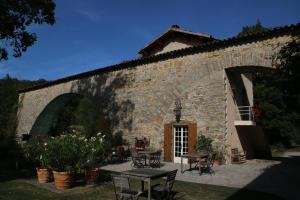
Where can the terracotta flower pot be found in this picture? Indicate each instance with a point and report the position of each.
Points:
(43, 175)
(92, 175)
(63, 180)
(217, 162)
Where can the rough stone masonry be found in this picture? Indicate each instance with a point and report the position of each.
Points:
(137, 97)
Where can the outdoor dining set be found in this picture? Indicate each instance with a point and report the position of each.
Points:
(123, 189)
(145, 162)
(141, 154)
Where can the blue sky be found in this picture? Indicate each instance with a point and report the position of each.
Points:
(90, 34)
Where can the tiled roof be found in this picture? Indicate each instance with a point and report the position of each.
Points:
(172, 30)
(293, 29)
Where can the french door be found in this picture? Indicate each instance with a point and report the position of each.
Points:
(180, 143)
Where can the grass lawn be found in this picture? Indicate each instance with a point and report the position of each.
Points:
(26, 188)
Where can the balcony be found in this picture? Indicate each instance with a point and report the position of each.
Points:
(244, 116)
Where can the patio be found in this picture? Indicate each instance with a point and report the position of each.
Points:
(275, 179)
(237, 176)
(278, 176)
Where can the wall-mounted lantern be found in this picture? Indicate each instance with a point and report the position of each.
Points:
(177, 109)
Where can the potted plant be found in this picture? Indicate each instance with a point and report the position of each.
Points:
(65, 153)
(203, 143)
(95, 151)
(218, 151)
(35, 150)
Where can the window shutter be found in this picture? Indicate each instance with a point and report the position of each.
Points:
(168, 142)
(192, 137)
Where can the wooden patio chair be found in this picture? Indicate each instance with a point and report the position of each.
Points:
(138, 160)
(160, 191)
(122, 188)
(237, 157)
(154, 159)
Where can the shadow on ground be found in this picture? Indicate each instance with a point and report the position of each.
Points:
(12, 174)
(280, 179)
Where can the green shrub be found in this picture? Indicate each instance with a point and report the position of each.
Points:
(74, 151)
(203, 143)
(66, 152)
(96, 148)
(35, 151)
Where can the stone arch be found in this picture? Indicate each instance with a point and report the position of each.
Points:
(240, 81)
(239, 92)
(44, 120)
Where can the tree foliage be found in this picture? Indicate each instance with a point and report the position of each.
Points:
(9, 104)
(278, 94)
(78, 113)
(15, 18)
(248, 30)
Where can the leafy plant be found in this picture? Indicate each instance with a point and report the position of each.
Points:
(66, 152)
(95, 148)
(203, 143)
(219, 152)
(73, 151)
(35, 150)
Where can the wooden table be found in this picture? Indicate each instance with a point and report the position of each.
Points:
(194, 156)
(146, 175)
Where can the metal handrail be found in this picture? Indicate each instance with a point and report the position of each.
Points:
(245, 113)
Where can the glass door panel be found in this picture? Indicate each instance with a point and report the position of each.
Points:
(180, 143)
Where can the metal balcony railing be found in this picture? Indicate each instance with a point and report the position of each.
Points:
(245, 113)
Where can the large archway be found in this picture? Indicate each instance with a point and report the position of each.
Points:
(44, 121)
(243, 131)
(62, 112)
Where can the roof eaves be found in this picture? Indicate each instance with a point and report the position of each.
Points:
(215, 44)
(179, 30)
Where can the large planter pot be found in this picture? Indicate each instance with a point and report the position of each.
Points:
(63, 180)
(43, 175)
(217, 162)
(92, 175)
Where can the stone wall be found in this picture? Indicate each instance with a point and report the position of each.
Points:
(139, 100)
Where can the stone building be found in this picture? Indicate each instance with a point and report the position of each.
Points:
(210, 79)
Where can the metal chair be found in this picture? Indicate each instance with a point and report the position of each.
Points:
(160, 191)
(154, 159)
(118, 154)
(207, 163)
(204, 160)
(138, 161)
(122, 188)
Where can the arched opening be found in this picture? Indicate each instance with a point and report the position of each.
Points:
(68, 111)
(245, 134)
(241, 85)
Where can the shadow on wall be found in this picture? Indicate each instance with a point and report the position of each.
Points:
(280, 181)
(47, 117)
(253, 142)
(238, 88)
(113, 107)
